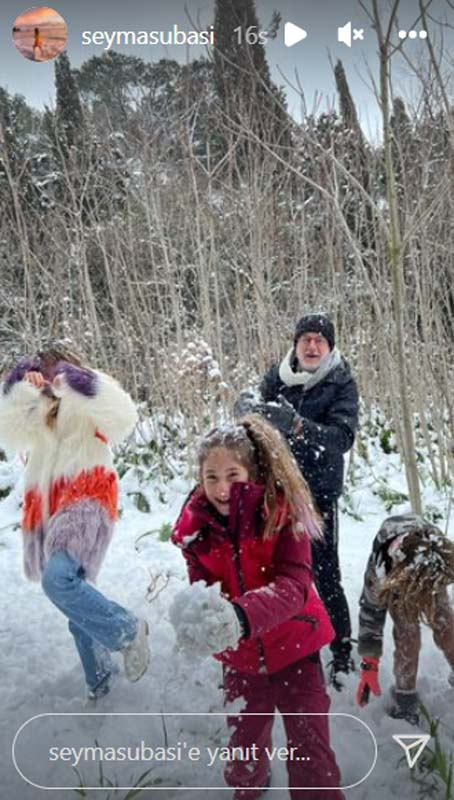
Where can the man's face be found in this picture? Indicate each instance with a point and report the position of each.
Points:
(310, 349)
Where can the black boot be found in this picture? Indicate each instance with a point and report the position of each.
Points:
(248, 793)
(342, 662)
(405, 706)
(266, 785)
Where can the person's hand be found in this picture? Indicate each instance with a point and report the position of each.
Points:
(36, 379)
(246, 403)
(57, 382)
(281, 415)
(368, 680)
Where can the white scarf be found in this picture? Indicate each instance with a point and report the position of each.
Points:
(304, 378)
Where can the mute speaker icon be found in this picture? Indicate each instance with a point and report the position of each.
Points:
(344, 34)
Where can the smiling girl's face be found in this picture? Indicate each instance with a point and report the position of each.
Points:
(219, 470)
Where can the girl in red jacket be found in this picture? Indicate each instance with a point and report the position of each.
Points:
(248, 525)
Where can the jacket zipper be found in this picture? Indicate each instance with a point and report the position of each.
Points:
(236, 549)
(306, 618)
(235, 541)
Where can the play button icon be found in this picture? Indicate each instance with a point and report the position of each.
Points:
(293, 34)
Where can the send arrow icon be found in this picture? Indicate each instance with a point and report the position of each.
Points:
(412, 746)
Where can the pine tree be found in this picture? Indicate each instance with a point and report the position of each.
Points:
(7, 138)
(9, 161)
(238, 65)
(69, 116)
(80, 152)
(20, 140)
(249, 99)
(356, 158)
(346, 103)
(110, 85)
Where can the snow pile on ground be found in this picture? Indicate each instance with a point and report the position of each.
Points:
(42, 675)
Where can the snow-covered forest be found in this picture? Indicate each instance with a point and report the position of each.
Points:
(173, 221)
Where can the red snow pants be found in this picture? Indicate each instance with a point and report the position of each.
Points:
(299, 687)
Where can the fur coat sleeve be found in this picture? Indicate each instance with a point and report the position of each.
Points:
(83, 392)
(23, 410)
(96, 396)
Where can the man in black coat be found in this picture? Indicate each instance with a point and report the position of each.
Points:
(312, 399)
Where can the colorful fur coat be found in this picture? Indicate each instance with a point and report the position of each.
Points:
(71, 487)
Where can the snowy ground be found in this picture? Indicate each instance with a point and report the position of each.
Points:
(41, 672)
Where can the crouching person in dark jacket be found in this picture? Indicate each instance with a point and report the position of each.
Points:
(408, 572)
(312, 399)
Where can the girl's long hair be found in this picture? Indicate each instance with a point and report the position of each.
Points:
(263, 452)
(56, 350)
(424, 567)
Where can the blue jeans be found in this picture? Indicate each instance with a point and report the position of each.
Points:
(98, 625)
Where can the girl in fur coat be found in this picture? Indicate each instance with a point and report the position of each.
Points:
(65, 416)
(246, 530)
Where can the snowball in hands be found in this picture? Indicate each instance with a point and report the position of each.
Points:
(204, 621)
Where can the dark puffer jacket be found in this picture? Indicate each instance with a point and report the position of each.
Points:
(329, 411)
(271, 580)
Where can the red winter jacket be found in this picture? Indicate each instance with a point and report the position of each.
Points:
(271, 579)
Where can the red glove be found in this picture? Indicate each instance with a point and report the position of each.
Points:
(368, 680)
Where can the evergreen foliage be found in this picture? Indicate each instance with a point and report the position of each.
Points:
(69, 116)
(250, 102)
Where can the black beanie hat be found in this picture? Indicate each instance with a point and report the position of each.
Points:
(316, 323)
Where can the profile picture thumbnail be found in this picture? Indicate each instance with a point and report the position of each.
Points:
(40, 33)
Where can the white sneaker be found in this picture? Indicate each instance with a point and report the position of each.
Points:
(90, 702)
(137, 654)
(451, 678)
